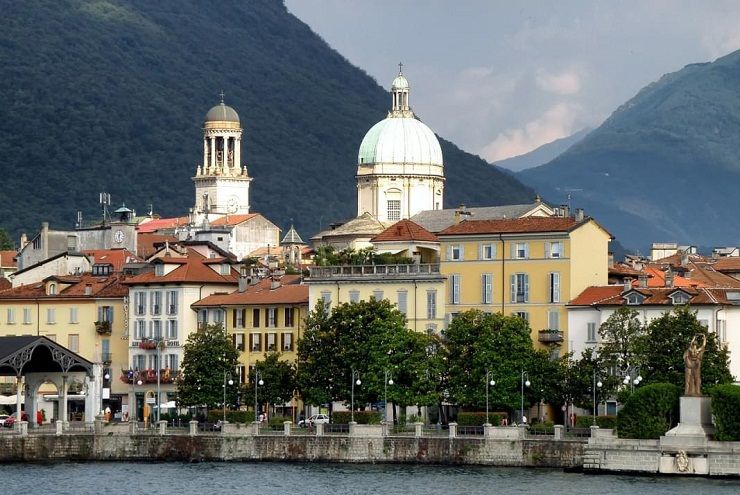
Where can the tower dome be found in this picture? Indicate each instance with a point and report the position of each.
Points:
(222, 113)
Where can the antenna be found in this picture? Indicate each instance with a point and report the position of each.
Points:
(104, 200)
(79, 219)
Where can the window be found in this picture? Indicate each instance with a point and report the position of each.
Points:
(101, 270)
(394, 209)
(521, 314)
(155, 329)
(554, 287)
(455, 253)
(354, 296)
(722, 330)
(553, 320)
(237, 318)
(634, 299)
(554, 249)
(520, 288)
(271, 317)
(402, 301)
(52, 289)
(287, 344)
(171, 361)
(26, 316)
(73, 315)
(159, 270)
(455, 289)
(225, 269)
(591, 332)
(487, 251)
(172, 329)
(431, 305)
(254, 342)
(73, 342)
(678, 298)
(11, 316)
(218, 316)
(271, 342)
(241, 372)
(289, 312)
(156, 302)
(238, 341)
(256, 317)
(326, 297)
(51, 316)
(704, 323)
(153, 361)
(520, 251)
(378, 295)
(202, 317)
(105, 313)
(139, 329)
(171, 302)
(140, 303)
(486, 288)
(139, 362)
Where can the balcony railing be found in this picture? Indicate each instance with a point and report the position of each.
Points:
(166, 375)
(549, 336)
(103, 327)
(349, 271)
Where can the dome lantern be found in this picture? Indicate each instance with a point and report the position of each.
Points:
(400, 94)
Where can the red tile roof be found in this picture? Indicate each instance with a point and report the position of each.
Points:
(232, 220)
(110, 286)
(6, 258)
(5, 284)
(405, 231)
(612, 295)
(192, 269)
(656, 278)
(145, 243)
(290, 291)
(162, 223)
(115, 257)
(728, 265)
(514, 226)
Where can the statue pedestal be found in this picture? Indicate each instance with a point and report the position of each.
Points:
(683, 447)
(696, 418)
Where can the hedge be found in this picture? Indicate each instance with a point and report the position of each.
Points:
(725, 407)
(361, 417)
(479, 418)
(231, 416)
(601, 421)
(650, 411)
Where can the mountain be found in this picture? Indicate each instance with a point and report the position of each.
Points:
(543, 154)
(110, 95)
(665, 166)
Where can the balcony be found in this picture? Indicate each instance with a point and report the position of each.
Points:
(549, 336)
(166, 376)
(377, 271)
(106, 358)
(103, 327)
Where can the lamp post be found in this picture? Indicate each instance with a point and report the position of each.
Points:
(527, 383)
(257, 381)
(629, 380)
(230, 382)
(355, 379)
(160, 344)
(489, 382)
(387, 380)
(136, 401)
(595, 386)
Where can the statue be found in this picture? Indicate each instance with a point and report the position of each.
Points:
(692, 359)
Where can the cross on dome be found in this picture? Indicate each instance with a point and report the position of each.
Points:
(222, 96)
(400, 67)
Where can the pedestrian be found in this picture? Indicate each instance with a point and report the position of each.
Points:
(39, 418)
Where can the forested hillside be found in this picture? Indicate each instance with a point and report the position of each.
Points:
(110, 96)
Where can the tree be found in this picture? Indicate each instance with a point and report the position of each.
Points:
(620, 336)
(477, 342)
(278, 377)
(662, 347)
(6, 243)
(209, 357)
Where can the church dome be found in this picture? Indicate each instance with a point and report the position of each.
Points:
(222, 113)
(400, 140)
(400, 82)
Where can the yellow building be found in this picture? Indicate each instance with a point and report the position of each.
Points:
(263, 316)
(530, 267)
(84, 313)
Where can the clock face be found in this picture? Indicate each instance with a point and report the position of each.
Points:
(118, 236)
(232, 204)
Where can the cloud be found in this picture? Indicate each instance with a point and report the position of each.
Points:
(557, 122)
(564, 83)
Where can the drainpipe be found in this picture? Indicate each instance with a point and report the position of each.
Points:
(416, 315)
(38, 318)
(503, 273)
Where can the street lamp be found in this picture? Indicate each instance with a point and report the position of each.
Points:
(136, 402)
(489, 382)
(632, 382)
(387, 380)
(257, 381)
(595, 386)
(355, 379)
(524, 383)
(230, 382)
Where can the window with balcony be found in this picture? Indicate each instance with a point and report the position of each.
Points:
(171, 302)
(431, 305)
(139, 303)
(553, 320)
(287, 344)
(554, 287)
(156, 302)
(520, 288)
(255, 344)
(486, 288)
(105, 313)
(455, 289)
(238, 340)
(271, 342)
(289, 314)
(139, 329)
(155, 329)
(172, 329)
(172, 362)
(139, 362)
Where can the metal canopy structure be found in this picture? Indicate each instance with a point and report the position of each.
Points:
(29, 354)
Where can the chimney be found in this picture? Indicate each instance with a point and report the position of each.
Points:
(459, 213)
(642, 281)
(243, 283)
(274, 283)
(610, 260)
(627, 284)
(24, 240)
(669, 278)
(684, 259)
(579, 214)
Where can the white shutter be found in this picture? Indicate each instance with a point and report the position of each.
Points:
(556, 287)
(513, 288)
(547, 250)
(526, 288)
(513, 250)
(526, 250)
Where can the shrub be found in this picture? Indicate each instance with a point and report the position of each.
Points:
(601, 421)
(650, 411)
(725, 407)
(277, 421)
(361, 417)
(479, 418)
(231, 416)
(544, 428)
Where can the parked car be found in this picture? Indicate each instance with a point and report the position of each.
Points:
(315, 419)
(10, 420)
(3, 417)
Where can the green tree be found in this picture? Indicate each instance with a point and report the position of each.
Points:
(477, 342)
(6, 243)
(579, 376)
(663, 345)
(278, 378)
(621, 336)
(209, 357)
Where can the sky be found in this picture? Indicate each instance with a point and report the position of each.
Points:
(501, 78)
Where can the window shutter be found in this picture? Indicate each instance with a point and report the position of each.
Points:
(493, 251)
(513, 288)
(480, 251)
(513, 250)
(526, 288)
(449, 253)
(556, 287)
(526, 250)
(547, 250)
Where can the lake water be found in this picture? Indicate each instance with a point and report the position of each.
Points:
(334, 479)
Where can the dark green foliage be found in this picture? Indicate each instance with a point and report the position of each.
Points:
(681, 132)
(111, 96)
(545, 428)
(278, 377)
(6, 243)
(601, 421)
(725, 407)
(650, 411)
(361, 417)
(479, 418)
(231, 416)
(275, 421)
